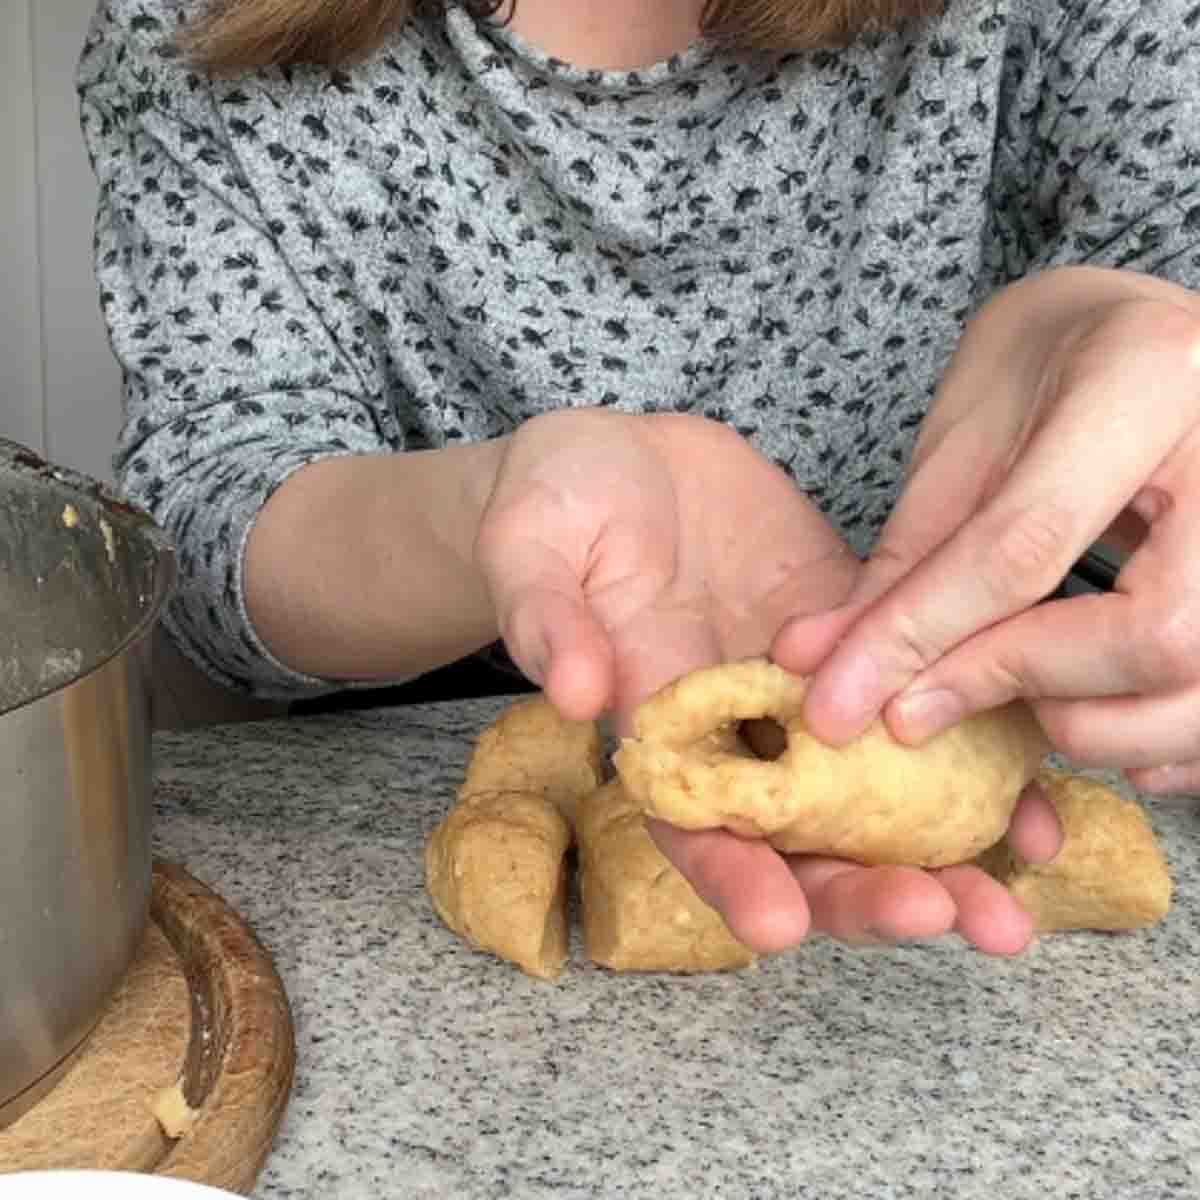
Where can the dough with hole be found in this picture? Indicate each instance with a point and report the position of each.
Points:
(874, 800)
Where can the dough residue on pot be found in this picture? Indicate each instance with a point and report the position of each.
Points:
(172, 1111)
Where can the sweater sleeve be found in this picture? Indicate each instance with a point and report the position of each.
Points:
(1098, 156)
(232, 378)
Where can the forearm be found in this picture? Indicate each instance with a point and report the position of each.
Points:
(361, 567)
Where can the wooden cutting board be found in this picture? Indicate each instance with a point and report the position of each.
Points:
(189, 1071)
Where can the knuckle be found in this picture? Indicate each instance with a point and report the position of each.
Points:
(1166, 327)
(1006, 678)
(1157, 326)
(1073, 735)
(1169, 647)
(1028, 555)
(918, 645)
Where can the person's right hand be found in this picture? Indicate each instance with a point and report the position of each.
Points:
(624, 551)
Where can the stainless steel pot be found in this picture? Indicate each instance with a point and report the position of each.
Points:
(82, 580)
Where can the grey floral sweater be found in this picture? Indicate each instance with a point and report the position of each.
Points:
(462, 232)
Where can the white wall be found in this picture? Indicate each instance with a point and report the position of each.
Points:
(20, 316)
(59, 384)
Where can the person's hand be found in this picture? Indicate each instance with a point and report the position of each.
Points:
(622, 552)
(1072, 405)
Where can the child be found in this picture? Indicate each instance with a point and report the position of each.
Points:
(598, 327)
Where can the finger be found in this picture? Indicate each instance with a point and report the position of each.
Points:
(988, 915)
(1068, 649)
(959, 459)
(558, 643)
(1172, 779)
(1142, 639)
(803, 643)
(942, 490)
(747, 882)
(865, 904)
(549, 629)
(860, 905)
(801, 607)
(1017, 547)
(655, 649)
(1035, 832)
(1125, 731)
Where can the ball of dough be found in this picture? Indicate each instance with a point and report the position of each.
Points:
(531, 748)
(639, 913)
(874, 800)
(496, 871)
(1109, 874)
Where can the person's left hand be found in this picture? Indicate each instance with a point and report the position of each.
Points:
(1072, 405)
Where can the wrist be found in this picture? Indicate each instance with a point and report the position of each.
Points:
(362, 567)
(470, 472)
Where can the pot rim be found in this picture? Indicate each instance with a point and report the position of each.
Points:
(20, 460)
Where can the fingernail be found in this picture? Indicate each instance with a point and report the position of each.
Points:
(865, 939)
(922, 714)
(872, 938)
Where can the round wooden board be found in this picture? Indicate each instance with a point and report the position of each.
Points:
(200, 1029)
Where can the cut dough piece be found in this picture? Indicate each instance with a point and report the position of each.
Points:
(496, 872)
(531, 748)
(1110, 873)
(874, 800)
(639, 913)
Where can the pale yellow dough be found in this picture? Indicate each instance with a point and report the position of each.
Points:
(496, 872)
(531, 748)
(639, 913)
(1110, 872)
(496, 867)
(874, 800)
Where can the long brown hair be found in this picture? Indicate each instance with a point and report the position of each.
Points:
(238, 35)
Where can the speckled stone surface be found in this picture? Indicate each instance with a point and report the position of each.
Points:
(429, 1071)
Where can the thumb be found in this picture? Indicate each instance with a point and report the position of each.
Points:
(557, 641)
(548, 627)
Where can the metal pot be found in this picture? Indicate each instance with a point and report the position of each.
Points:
(83, 578)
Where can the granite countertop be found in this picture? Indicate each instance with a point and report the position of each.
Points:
(426, 1070)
